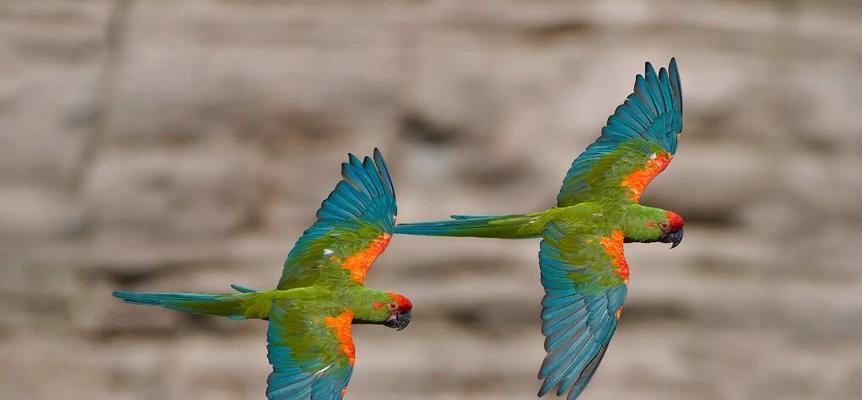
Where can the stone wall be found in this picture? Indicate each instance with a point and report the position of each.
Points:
(167, 145)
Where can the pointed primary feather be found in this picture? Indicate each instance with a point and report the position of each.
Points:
(637, 143)
(585, 279)
(310, 348)
(354, 225)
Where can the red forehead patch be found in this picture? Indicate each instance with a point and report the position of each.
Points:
(404, 303)
(676, 222)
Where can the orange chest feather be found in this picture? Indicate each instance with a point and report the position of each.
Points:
(341, 326)
(358, 264)
(614, 247)
(637, 181)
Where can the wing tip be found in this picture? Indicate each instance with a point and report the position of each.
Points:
(649, 70)
(369, 176)
(672, 65)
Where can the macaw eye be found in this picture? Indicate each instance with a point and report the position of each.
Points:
(663, 226)
(392, 306)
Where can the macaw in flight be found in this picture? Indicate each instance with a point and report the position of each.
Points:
(321, 291)
(583, 269)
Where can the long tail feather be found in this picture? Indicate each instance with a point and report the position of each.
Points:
(208, 304)
(241, 289)
(504, 227)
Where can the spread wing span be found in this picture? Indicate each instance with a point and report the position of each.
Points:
(354, 226)
(311, 351)
(637, 143)
(585, 277)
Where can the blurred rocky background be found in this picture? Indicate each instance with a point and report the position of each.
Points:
(184, 145)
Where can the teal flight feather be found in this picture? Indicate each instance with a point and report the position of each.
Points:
(583, 269)
(321, 292)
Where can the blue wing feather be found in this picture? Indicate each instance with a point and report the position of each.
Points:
(299, 377)
(578, 315)
(365, 197)
(652, 113)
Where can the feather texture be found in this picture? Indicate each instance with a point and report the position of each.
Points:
(307, 353)
(354, 225)
(646, 124)
(583, 268)
(583, 295)
(321, 291)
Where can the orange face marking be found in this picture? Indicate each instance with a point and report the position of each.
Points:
(614, 247)
(341, 326)
(358, 264)
(638, 180)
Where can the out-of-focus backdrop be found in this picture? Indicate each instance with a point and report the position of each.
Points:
(167, 145)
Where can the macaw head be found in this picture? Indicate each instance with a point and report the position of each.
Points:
(649, 224)
(385, 308)
(671, 229)
(400, 311)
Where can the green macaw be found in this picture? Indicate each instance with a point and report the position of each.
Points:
(321, 291)
(584, 271)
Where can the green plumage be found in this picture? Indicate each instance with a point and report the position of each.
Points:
(257, 305)
(321, 292)
(639, 223)
(584, 271)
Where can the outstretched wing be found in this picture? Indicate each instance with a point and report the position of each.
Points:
(311, 351)
(354, 225)
(585, 276)
(637, 143)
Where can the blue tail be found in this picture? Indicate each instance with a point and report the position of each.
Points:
(241, 289)
(516, 226)
(226, 305)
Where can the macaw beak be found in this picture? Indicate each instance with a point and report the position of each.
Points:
(398, 321)
(675, 238)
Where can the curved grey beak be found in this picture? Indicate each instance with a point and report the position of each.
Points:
(399, 321)
(675, 238)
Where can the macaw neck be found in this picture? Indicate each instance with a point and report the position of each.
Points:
(641, 223)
